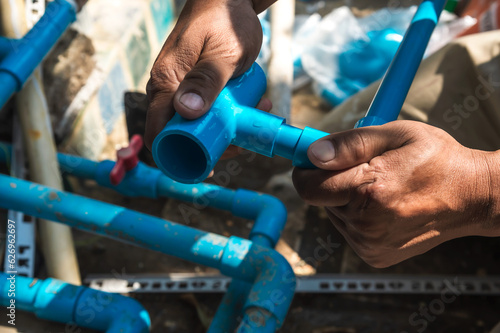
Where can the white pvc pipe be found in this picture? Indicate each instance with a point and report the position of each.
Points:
(57, 241)
(280, 72)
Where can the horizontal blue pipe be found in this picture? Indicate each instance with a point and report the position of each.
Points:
(59, 301)
(28, 52)
(397, 81)
(114, 221)
(187, 150)
(268, 212)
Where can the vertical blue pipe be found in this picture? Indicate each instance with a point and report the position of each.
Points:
(396, 83)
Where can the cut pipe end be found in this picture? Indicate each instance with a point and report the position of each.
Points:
(181, 157)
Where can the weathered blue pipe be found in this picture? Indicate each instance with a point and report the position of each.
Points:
(59, 301)
(26, 54)
(268, 212)
(396, 83)
(271, 276)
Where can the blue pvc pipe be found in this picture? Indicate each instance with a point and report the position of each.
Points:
(59, 301)
(29, 51)
(268, 212)
(6, 46)
(396, 83)
(113, 221)
(187, 150)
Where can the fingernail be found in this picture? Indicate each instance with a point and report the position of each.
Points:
(323, 150)
(192, 101)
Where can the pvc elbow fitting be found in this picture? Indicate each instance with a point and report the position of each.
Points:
(273, 279)
(187, 150)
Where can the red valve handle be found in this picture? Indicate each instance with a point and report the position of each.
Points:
(126, 160)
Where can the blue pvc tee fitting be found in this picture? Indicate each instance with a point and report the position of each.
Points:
(187, 150)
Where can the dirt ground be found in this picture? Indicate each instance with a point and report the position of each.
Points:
(306, 227)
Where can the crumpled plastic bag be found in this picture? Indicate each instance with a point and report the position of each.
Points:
(344, 54)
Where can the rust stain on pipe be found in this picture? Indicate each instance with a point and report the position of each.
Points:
(34, 134)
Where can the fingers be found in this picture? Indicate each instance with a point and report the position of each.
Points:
(265, 104)
(168, 71)
(201, 86)
(346, 149)
(333, 188)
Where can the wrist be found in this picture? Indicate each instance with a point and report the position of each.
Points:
(487, 193)
(493, 161)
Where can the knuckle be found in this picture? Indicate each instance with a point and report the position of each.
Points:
(356, 145)
(207, 77)
(166, 77)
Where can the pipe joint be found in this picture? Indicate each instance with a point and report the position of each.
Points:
(269, 213)
(187, 150)
(142, 181)
(272, 276)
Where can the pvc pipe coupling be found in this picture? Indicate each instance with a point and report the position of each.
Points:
(188, 150)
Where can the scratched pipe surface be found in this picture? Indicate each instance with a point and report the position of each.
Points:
(268, 212)
(59, 301)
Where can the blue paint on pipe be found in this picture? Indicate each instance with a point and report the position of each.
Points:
(22, 57)
(59, 301)
(396, 83)
(113, 221)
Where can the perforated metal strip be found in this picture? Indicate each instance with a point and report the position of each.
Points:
(322, 283)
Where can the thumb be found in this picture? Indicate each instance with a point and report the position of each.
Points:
(201, 86)
(347, 149)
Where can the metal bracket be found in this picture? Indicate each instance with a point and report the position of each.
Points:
(321, 283)
(24, 224)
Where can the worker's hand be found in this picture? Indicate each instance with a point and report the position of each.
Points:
(212, 42)
(398, 190)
